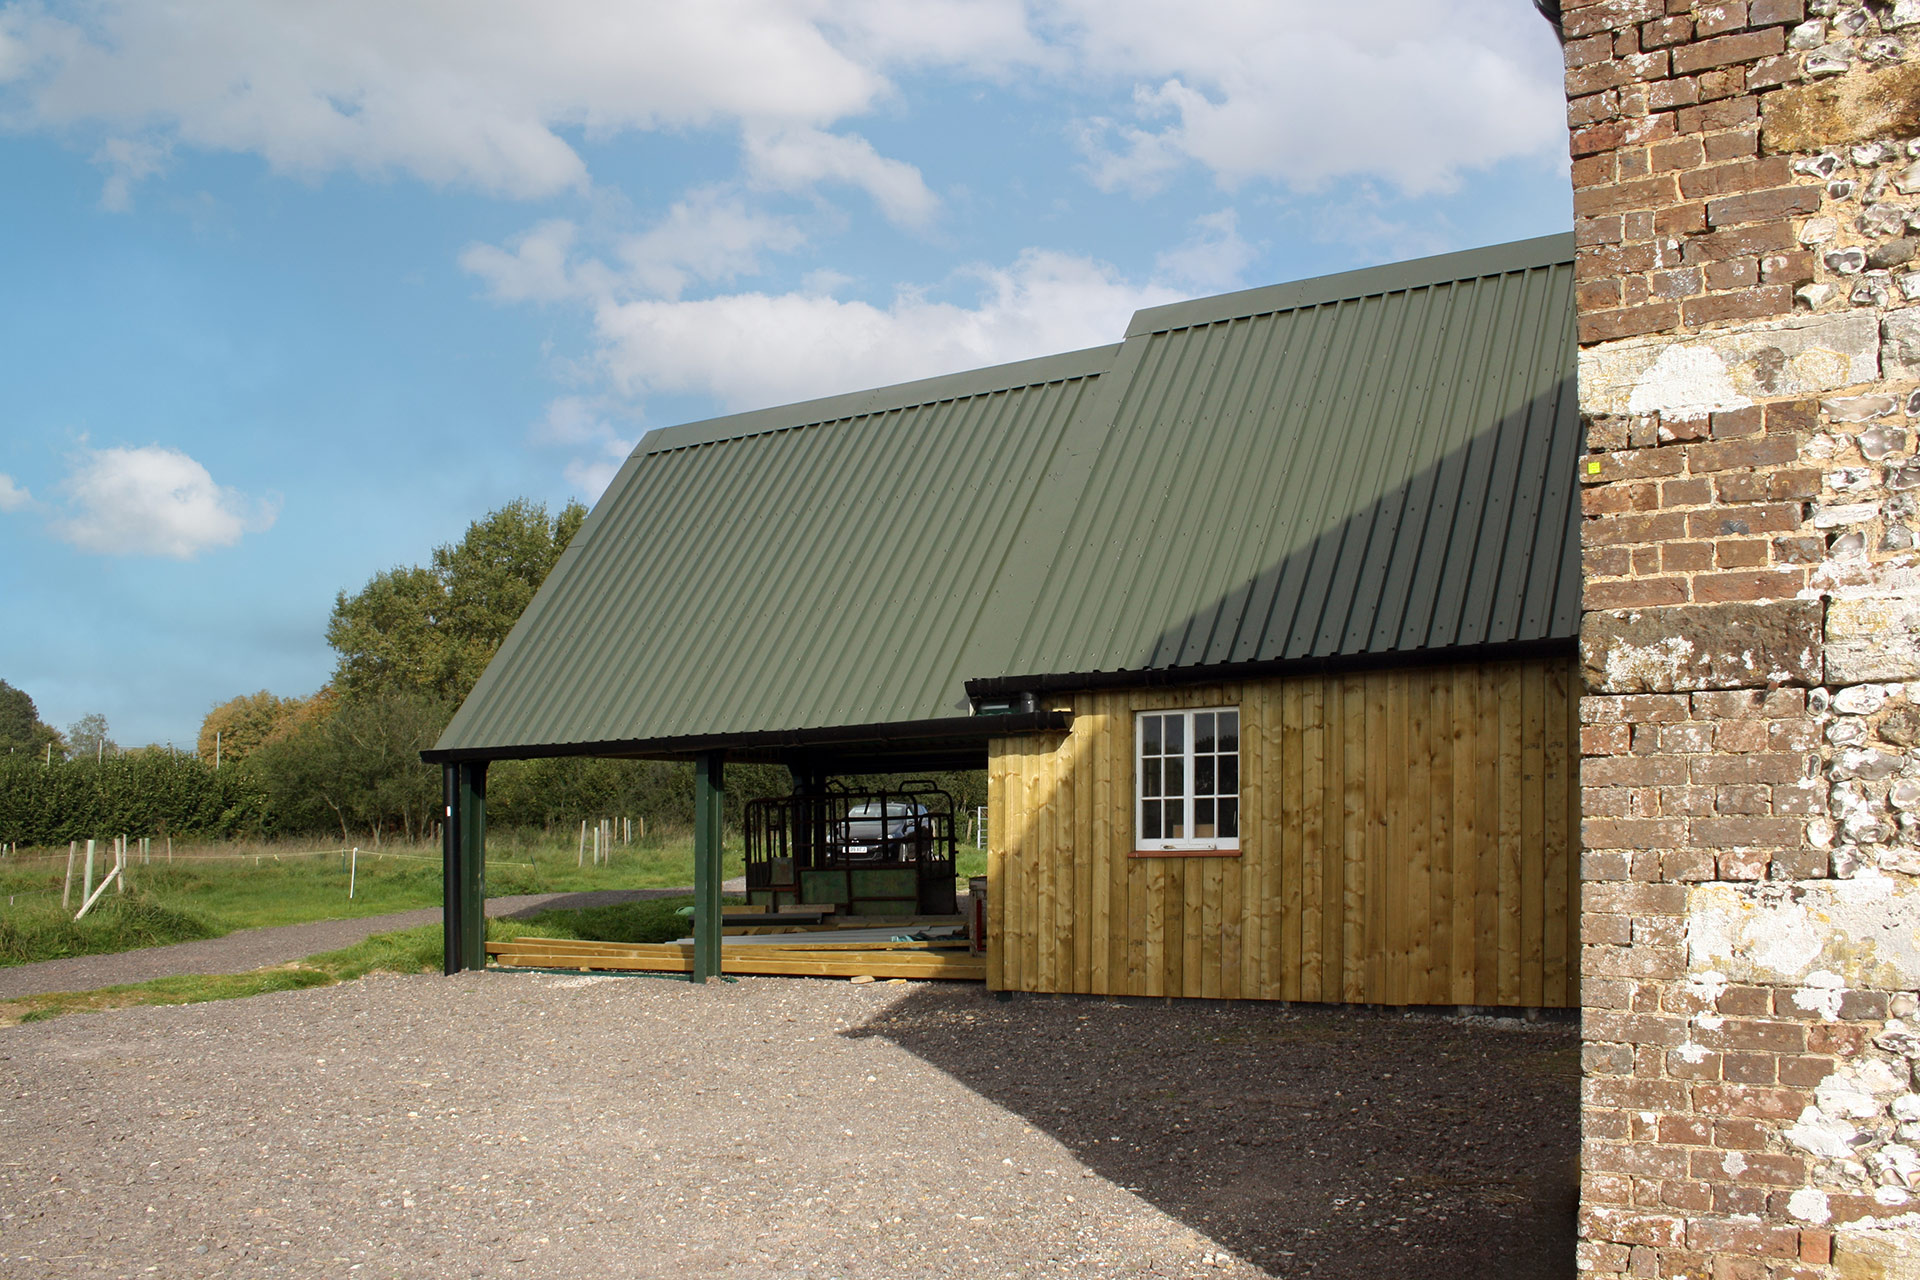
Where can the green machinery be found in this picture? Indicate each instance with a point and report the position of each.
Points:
(868, 853)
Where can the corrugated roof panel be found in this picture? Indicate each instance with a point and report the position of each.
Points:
(820, 573)
(1377, 473)
(1370, 463)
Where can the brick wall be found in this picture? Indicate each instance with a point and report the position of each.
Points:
(1747, 203)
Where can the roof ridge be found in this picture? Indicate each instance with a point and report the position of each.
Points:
(1390, 277)
(1085, 363)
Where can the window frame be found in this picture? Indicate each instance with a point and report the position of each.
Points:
(1190, 846)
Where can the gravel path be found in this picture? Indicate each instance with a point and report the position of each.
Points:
(575, 1126)
(282, 944)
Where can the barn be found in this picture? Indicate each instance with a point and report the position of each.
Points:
(1262, 620)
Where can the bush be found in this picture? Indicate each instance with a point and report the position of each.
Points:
(151, 793)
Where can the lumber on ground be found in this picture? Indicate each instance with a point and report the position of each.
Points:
(671, 958)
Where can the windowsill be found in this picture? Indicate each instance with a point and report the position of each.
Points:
(1184, 853)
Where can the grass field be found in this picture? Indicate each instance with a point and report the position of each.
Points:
(207, 891)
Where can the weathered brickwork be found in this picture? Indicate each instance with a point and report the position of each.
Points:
(1747, 202)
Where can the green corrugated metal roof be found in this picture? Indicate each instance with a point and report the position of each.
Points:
(1370, 463)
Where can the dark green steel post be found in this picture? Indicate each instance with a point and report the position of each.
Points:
(709, 796)
(450, 869)
(473, 865)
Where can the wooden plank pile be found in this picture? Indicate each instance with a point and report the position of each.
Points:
(824, 959)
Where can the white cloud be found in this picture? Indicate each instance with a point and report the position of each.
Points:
(752, 349)
(128, 162)
(486, 94)
(709, 236)
(591, 476)
(476, 94)
(13, 497)
(153, 501)
(580, 424)
(986, 37)
(796, 159)
(1407, 90)
(537, 267)
(1212, 259)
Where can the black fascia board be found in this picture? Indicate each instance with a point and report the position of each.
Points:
(904, 733)
(1269, 668)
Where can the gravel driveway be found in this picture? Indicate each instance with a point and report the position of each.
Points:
(544, 1125)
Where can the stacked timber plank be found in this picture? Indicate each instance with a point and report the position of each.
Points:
(825, 959)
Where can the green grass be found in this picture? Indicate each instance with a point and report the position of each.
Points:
(250, 886)
(211, 890)
(401, 951)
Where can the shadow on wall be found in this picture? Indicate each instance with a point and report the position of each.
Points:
(1308, 1141)
(1480, 547)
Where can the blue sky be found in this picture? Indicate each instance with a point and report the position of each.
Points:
(291, 293)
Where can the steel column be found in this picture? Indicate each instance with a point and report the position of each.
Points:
(709, 796)
(463, 859)
(450, 869)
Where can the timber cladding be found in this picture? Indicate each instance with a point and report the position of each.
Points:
(1407, 837)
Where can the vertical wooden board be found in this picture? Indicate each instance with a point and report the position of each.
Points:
(1156, 928)
(1486, 888)
(1079, 902)
(1559, 765)
(1439, 987)
(1240, 941)
(1039, 861)
(1353, 839)
(1183, 926)
(1389, 844)
(1285, 888)
(1179, 930)
(1124, 942)
(997, 785)
(1033, 859)
(1056, 943)
(1313, 838)
(1466, 832)
(1512, 789)
(1576, 687)
(1060, 926)
(1213, 928)
(1417, 896)
(1100, 851)
(1143, 957)
(1019, 884)
(1333, 868)
(1533, 827)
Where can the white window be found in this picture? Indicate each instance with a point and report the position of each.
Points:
(1187, 780)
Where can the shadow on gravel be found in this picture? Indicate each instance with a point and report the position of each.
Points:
(1309, 1141)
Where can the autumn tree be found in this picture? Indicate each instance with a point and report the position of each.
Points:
(239, 726)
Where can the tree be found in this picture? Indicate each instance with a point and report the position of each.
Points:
(87, 737)
(358, 764)
(21, 729)
(431, 630)
(240, 726)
